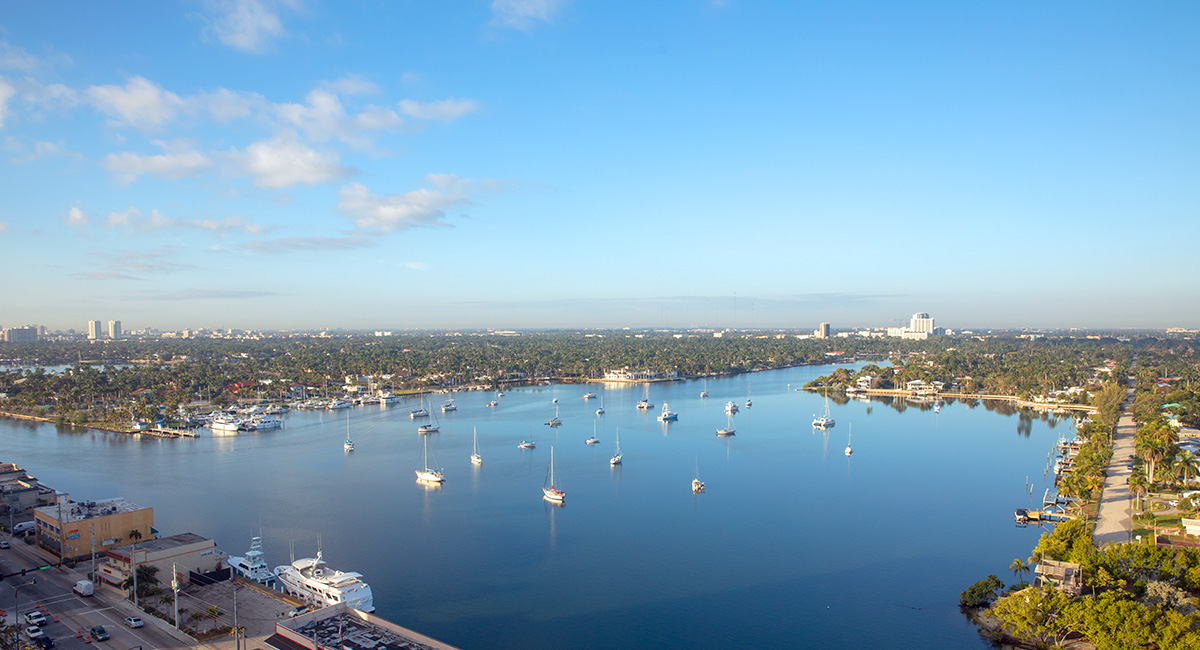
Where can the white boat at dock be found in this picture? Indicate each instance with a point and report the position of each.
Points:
(311, 580)
(252, 566)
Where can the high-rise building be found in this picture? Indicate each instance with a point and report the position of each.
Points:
(21, 334)
(921, 322)
(95, 330)
(114, 329)
(822, 331)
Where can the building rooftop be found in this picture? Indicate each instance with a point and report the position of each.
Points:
(349, 629)
(72, 511)
(158, 544)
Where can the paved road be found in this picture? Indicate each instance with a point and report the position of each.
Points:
(1114, 523)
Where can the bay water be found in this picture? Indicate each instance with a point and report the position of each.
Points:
(793, 545)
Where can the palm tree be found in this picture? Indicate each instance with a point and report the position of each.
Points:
(1153, 450)
(135, 535)
(1187, 465)
(1138, 484)
(1018, 567)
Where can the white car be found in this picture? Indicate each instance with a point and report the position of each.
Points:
(133, 621)
(35, 618)
(33, 633)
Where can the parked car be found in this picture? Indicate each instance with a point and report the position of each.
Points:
(45, 642)
(98, 633)
(3, 543)
(133, 621)
(33, 633)
(35, 618)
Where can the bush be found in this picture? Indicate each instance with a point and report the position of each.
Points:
(981, 594)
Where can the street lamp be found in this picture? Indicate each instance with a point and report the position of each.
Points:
(17, 600)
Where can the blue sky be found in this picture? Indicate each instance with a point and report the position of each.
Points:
(560, 163)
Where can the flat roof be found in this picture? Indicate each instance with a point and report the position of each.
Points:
(161, 544)
(73, 511)
(351, 629)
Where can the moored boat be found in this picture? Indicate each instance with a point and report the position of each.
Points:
(311, 580)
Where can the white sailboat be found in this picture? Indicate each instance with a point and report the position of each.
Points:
(550, 490)
(555, 421)
(475, 457)
(824, 421)
(616, 459)
(426, 473)
(849, 449)
(749, 402)
(645, 404)
(600, 411)
(593, 440)
(697, 484)
(432, 426)
(728, 430)
(527, 444)
(704, 393)
(348, 446)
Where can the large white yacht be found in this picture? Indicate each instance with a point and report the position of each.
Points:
(314, 582)
(253, 566)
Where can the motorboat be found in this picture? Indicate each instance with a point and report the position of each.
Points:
(311, 580)
(667, 414)
(252, 566)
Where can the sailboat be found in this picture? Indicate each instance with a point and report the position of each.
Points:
(430, 427)
(427, 473)
(824, 421)
(850, 433)
(704, 393)
(527, 444)
(419, 412)
(348, 446)
(550, 491)
(593, 440)
(555, 421)
(616, 459)
(600, 411)
(697, 484)
(749, 402)
(728, 430)
(475, 457)
(645, 404)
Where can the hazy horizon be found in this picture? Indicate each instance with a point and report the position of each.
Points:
(270, 164)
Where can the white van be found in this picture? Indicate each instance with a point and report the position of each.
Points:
(24, 527)
(84, 588)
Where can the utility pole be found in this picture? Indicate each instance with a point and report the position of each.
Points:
(92, 527)
(175, 592)
(237, 632)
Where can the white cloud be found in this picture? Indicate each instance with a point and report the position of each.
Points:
(176, 161)
(15, 58)
(54, 96)
(140, 103)
(523, 14)
(323, 118)
(6, 93)
(225, 105)
(352, 85)
(445, 110)
(246, 25)
(423, 207)
(283, 162)
(3, 226)
(416, 266)
(75, 217)
(126, 218)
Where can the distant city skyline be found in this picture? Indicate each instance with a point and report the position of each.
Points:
(261, 164)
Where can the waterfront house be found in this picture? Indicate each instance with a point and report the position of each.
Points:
(1066, 577)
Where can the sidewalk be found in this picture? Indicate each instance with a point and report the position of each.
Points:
(1114, 522)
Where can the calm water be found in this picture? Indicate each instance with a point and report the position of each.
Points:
(794, 545)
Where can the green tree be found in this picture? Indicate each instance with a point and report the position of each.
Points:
(1038, 614)
(982, 593)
